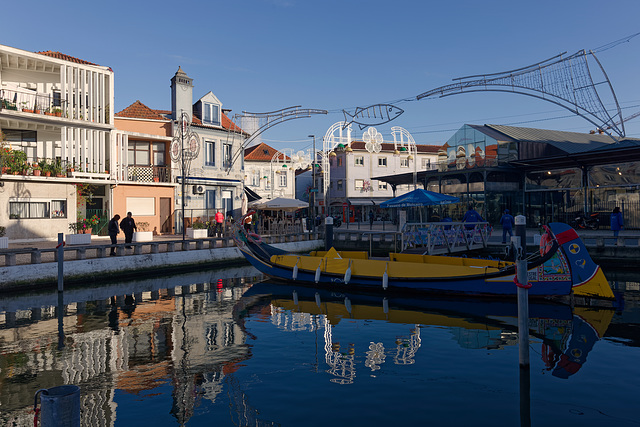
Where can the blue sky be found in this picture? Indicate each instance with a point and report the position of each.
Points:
(264, 55)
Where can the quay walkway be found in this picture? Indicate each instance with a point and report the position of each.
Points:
(33, 264)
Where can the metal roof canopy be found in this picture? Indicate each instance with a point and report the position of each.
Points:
(547, 149)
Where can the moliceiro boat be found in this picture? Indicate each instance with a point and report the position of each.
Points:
(561, 267)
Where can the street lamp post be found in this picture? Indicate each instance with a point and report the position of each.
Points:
(312, 197)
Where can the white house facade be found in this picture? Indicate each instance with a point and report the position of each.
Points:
(353, 190)
(269, 172)
(56, 119)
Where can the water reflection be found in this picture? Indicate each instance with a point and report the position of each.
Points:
(567, 335)
(183, 341)
(132, 337)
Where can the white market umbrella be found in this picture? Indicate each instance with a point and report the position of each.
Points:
(282, 204)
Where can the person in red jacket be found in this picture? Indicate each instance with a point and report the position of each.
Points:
(219, 222)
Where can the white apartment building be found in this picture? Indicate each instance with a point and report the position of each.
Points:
(353, 187)
(56, 118)
(269, 172)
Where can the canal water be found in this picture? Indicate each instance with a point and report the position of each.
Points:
(223, 348)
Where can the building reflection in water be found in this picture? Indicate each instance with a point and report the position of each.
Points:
(183, 331)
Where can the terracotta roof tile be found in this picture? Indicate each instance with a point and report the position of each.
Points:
(260, 153)
(138, 110)
(225, 122)
(65, 57)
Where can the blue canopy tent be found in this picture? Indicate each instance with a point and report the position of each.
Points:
(419, 198)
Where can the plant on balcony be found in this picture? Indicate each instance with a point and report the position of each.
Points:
(45, 167)
(5, 153)
(84, 225)
(142, 225)
(3, 230)
(56, 168)
(16, 161)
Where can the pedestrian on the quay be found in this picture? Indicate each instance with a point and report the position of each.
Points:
(617, 223)
(219, 221)
(371, 216)
(114, 230)
(471, 216)
(128, 225)
(507, 222)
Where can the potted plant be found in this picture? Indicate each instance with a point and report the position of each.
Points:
(17, 162)
(35, 169)
(4, 241)
(45, 167)
(56, 168)
(5, 153)
(81, 230)
(142, 235)
(198, 230)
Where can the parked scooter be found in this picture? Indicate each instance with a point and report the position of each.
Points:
(590, 222)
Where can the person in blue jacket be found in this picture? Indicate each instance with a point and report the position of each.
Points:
(617, 222)
(471, 216)
(507, 223)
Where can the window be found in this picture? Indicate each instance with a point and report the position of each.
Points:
(426, 163)
(226, 155)
(255, 179)
(57, 99)
(359, 160)
(210, 199)
(339, 185)
(382, 161)
(404, 163)
(359, 184)
(211, 114)
(159, 153)
(382, 185)
(283, 180)
(22, 209)
(58, 209)
(339, 161)
(209, 153)
(139, 153)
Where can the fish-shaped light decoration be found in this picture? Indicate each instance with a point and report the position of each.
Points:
(372, 115)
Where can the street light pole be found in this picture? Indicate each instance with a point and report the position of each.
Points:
(312, 196)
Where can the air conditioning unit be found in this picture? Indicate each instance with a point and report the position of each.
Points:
(198, 189)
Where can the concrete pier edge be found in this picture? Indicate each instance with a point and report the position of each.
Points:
(99, 270)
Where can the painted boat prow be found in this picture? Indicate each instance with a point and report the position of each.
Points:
(587, 276)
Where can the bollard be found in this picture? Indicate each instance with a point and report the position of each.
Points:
(60, 253)
(523, 292)
(59, 406)
(328, 233)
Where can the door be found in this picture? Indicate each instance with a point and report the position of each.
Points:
(165, 215)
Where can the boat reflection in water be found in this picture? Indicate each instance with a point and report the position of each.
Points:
(567, 335)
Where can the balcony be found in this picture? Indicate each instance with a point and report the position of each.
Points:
(30, 101)
(148, 173)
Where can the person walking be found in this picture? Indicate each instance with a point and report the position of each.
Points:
(127, 225)
(219, 222)
(114, 230)
(471, 216)
(507, 222)
(617, 222)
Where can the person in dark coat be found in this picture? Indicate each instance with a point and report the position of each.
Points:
(371, 217)
(114, 230)
(128, 225)
(471, 216)
(617, 223)
(507, 223)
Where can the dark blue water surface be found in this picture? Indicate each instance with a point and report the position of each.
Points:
(221, 348)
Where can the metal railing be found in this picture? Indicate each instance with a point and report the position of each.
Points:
(445, 237)
(148, 173)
